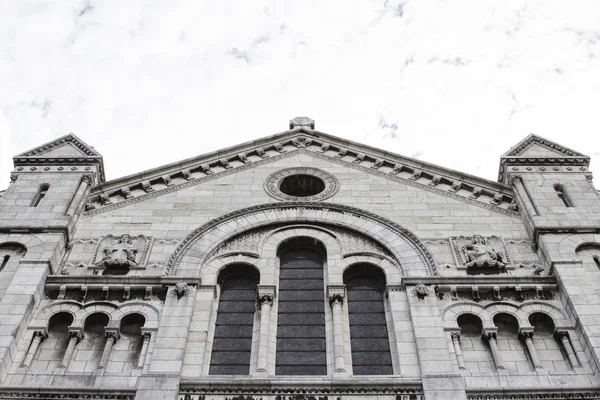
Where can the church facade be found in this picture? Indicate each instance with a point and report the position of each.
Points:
(300, 266)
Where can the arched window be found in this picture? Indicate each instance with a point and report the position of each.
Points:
(232, 341)
(89, 350)
(475, 352)
(301, 348)
(551, 354)
(40, 195)
(126, 351)
(513, 353)
(369, 341)
(52, 349)
(562, 195)
(10, 254)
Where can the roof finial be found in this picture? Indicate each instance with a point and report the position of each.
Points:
(302, 122)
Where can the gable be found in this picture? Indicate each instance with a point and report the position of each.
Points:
(479, 192)
(537, 151)
(65, 146)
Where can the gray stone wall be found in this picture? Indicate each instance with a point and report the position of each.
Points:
(157, 261)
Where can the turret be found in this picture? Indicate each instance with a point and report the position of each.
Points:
(553, 187)
(49, 185)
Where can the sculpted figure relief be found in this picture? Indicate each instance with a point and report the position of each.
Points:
(124, 253)
(480, 255)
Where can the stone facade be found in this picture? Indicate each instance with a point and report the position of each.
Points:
(300, 266)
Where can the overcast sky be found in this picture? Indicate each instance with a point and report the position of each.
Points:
(452, 82)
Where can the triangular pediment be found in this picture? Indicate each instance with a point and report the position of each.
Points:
(68, 149)
(301, 139)
(537, 146)
(535, 150)
(65, 146)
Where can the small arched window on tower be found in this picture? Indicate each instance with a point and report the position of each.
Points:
(562, 195)
(40, 195)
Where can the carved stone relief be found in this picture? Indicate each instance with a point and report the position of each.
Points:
(480, 254)
(122, 251)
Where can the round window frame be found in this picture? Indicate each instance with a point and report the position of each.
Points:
(273, 183)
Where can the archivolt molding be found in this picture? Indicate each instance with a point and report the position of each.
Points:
(32, 243)
(414, 258)
(487, 312)
(569, 246)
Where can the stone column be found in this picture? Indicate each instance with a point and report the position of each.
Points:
(75, 337)
(265, 299)
(564, 338)
(336, 299)
(86, 181)
(38, 337)
(111, 339)
(146, 342)
(455, 335)
(489, 336)
(527, 335)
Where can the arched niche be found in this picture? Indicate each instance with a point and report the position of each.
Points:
(404, 247)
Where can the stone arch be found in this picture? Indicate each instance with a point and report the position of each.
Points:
(42, 318)
(451, 314)
(571, 244)
(94, 308)
(412, 256)
(502, 307)
(211, 269)
(391, 271)
(150, 313)
(271, 243)
(558, 316)
(32, 244)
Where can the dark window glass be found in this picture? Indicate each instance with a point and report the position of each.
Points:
(301, 321)
(597, 261)
(562, 195)
(369, 340)
(40, 195)
(235, 319)
(4, 262)
(302, 185)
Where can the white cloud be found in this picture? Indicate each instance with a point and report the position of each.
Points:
(455, 83)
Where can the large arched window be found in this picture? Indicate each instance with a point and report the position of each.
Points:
(369, 341)
(232, 341)
(301, 348)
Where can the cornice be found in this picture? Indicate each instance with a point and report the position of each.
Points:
(36, 156)
(307, 386)
(482, 193)
(564, 157)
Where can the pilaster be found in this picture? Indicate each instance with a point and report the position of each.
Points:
(441, 379)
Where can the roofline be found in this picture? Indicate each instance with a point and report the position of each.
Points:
(351, 145)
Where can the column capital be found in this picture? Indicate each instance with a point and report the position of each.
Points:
(489, 334)
(561, 333)
(336, 293)
(266, 294)
(526, 332)
(146, 335)
(87, 179)
(76, 333)
(41, 333)
(454, 333)
(112, 334)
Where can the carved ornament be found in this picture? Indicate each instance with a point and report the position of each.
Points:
(123, 251)
(478, 253)
(274, 181)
